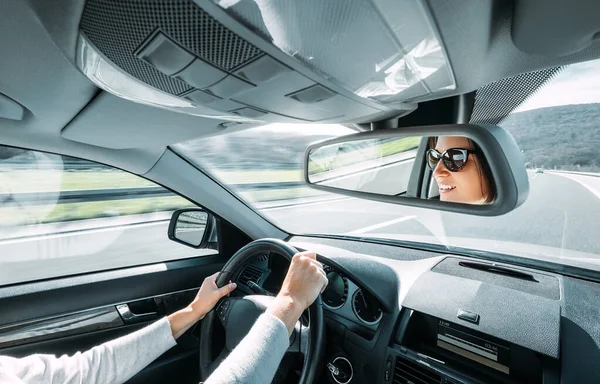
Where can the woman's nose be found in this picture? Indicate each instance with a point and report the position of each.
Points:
(440, 170)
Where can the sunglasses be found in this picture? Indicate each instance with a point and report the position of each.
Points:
(454, 159)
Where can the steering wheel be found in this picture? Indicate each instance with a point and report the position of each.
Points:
(238, 314)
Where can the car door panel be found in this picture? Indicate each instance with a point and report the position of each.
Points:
(67, 295)
(73, 314)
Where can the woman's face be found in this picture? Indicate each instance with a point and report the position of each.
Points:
(465, 186)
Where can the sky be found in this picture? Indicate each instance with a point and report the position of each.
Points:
(577, 84)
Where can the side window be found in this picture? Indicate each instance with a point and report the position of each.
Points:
(61, 216)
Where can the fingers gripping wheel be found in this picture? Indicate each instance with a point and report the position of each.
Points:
(313, 339)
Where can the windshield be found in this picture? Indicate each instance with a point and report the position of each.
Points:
(557, 129)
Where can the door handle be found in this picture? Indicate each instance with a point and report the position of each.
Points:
(132, 318)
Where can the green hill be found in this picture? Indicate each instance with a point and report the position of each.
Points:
(565, 137)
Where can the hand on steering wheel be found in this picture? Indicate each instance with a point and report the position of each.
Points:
(236, 315)
(304, 281)
(209, 295)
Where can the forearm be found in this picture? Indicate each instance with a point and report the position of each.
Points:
(183, 320)
(113, 362)
(287, 310)
(257, 357)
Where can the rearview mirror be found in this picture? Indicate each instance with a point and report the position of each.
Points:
(475, 169)
(191, 227)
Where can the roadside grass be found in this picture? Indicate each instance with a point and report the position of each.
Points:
(12, 215)
(49, 180)
(57, 180)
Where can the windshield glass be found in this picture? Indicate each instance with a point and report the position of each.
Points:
(557, 129)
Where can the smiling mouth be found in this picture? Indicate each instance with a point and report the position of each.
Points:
(446, 188)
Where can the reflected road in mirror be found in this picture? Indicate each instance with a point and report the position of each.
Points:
(190, 227)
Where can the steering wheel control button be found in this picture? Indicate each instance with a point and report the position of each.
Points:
(164, 54)
(471, 317)
(341, 370)
(225, 305)
(222, 310)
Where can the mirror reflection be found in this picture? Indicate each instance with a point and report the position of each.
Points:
(461, 172)
(447, 168)
(190, 227)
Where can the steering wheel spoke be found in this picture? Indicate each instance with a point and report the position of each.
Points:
(219, 359)
(299, 339)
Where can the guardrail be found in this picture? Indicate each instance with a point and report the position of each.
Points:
(96, 195)
(574, 173)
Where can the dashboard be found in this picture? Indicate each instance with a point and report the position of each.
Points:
(399, 316)
(441, 318)
(343, 299)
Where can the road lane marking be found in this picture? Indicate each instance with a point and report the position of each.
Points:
(595, 191)
(291, 205)
(79, 233)
(380, 225)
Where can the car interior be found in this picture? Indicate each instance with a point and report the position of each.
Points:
(125, 84)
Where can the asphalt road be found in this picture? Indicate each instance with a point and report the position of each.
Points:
(561, 218)
(561, 212)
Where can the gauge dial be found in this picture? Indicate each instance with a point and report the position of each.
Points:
(336, 292)
(366, 307)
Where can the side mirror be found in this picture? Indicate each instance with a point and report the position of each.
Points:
(191, 227)
(464, 168)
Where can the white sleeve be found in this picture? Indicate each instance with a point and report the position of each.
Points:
(115, 361)
(257, 356)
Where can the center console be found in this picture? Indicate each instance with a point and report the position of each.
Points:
(461, 324)
(432, 350)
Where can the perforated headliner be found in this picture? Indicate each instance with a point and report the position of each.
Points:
(493, 102)
(118, 31)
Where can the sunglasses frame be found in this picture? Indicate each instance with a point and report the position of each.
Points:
(444, 159)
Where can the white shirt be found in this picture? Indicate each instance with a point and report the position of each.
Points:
(118, 360)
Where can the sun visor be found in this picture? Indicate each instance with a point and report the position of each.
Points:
(555, 27)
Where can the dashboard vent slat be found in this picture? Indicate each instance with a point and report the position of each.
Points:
(250, 273)
(407, 372)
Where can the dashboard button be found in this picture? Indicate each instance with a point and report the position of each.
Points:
(388, 370)
(468, 316)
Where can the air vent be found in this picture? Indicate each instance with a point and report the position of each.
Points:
(250, 273)
(408, 372)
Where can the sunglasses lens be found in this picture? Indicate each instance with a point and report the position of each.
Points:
(433, 157)
(455, 159)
